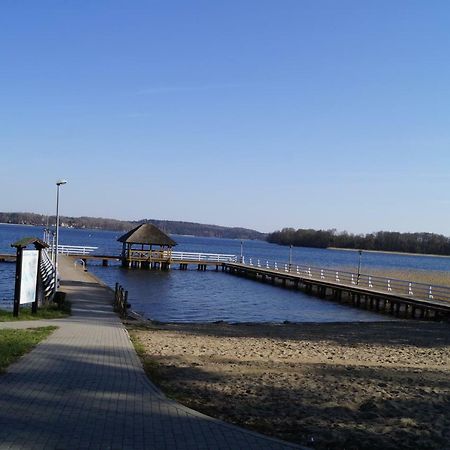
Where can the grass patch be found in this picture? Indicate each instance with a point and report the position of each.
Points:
(15, 343)
(51, 311)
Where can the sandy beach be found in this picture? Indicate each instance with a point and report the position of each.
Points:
(326, 386)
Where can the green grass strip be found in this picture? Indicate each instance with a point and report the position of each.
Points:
(52, 311)
(15, 343)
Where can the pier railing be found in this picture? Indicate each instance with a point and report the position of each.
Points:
(47, 272)
(146, 255)
(75, 249)
(375, 283)
(203, 257)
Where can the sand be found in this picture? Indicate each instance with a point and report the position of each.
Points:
(326, 386)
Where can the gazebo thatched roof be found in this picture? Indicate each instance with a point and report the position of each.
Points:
(38, 244)
(147, 234)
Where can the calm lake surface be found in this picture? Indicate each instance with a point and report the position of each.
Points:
(192, 296)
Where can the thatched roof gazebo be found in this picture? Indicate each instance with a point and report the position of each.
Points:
(146, 246)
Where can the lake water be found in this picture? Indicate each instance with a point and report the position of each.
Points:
(193, 296)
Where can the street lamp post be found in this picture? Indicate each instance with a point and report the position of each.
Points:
(290, 257)
(359, 267)
(58, 184)
(242, 252)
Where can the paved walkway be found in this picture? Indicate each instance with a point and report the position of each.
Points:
(84, 388)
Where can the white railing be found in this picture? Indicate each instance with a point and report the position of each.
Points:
(47, 271)
(384, 284)
(203, 257)
(145, 255)
(75, 249)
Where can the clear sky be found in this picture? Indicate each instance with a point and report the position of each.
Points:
(263, 114)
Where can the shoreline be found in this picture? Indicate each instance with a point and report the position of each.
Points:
(388, 252)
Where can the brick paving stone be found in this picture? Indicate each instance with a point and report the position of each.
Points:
(85, 388)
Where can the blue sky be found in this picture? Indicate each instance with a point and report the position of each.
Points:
(263, 114)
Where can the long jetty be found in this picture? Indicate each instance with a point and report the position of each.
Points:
(397, 297)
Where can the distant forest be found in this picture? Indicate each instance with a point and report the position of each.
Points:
(430, 243)
(168, 226)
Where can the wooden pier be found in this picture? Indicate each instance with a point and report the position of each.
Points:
(7, 257)
(370, 298)
(156, 260)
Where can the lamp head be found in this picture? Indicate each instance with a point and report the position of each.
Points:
(60, 182)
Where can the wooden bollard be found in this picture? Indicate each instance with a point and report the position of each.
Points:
(125, 303)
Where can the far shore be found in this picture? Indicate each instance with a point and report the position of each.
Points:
(388, 252)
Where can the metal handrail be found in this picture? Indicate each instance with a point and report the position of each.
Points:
(352, 279)
(47, 272)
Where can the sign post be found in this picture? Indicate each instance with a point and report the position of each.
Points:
(18, 282)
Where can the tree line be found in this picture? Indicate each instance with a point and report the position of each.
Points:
(100, 223)
(393, 241)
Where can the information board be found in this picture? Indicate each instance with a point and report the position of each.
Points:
(30, 259)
